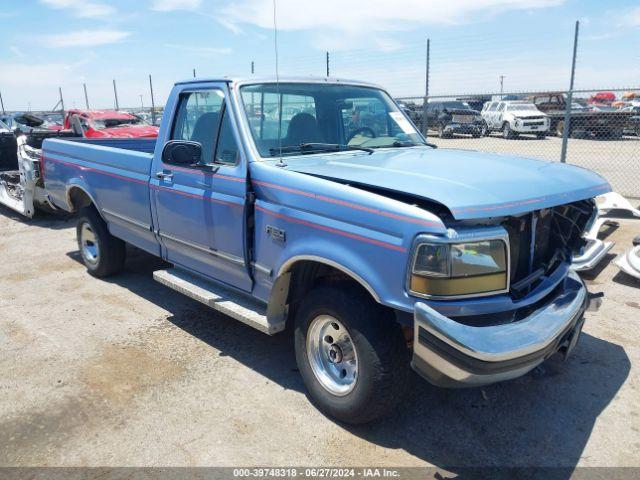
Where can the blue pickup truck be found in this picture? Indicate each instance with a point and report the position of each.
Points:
(316, 204)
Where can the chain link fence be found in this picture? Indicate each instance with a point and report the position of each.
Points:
(603, 131)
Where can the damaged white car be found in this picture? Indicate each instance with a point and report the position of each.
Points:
(21, 184)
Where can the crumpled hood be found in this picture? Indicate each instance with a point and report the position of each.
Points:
(134, 131)
(470, 184)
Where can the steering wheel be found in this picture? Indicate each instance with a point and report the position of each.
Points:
(361, 130)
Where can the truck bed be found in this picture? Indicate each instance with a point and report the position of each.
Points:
(113, 173)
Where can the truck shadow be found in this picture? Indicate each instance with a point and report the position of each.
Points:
(41, 219)
(542, 419)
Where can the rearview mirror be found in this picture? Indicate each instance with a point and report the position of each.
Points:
(182, 152)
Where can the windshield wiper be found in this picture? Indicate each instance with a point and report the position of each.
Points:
(318, 147)
(400, 143)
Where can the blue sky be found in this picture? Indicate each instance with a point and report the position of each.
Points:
(51, 43)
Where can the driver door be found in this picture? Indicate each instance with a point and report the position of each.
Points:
(200, 210)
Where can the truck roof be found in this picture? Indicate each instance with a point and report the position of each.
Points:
(283, 79)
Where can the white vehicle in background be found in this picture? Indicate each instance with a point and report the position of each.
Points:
(513, 118)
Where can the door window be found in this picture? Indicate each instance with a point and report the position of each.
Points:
(198, 120)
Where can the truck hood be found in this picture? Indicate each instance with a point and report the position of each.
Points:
(526, 113)
(134, 131)
(470, 184)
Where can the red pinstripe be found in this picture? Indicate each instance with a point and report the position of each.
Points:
(332, 230)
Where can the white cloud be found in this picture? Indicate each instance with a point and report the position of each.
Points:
(631, 18)
(16, 51)
(34, 74)
(366, 17)
(171, 5)
(83, 38)
(83, 9)
(203, 51)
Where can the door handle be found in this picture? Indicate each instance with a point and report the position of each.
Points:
(164, 176)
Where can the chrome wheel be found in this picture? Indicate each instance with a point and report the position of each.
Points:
(332, 355)
(88, 244)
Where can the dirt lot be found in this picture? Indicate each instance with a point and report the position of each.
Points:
(616, 160)
(127, 372)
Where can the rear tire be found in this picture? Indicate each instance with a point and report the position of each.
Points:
(351, 353)
(102, 253)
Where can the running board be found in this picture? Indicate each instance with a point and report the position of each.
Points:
(223, 299)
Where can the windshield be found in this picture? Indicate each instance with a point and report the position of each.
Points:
(322, 117)
(102, 123)
(3, 126)
(522, 107)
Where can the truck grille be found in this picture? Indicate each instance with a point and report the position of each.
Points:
(533, 124)
(541, 240)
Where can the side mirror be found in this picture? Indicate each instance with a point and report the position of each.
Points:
(182, 152)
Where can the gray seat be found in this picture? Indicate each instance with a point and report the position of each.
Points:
(205, 132)
(303, 128)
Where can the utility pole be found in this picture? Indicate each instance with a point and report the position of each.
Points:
(567, 110)
(194, 73)
(425, 128)
(153, 103)
(86, 97)
(327, 64)
(252, 67)
(2, 103)
(501, 85)
(115, 94)
(61, 99)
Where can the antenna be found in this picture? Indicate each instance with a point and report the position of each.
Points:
(275, 45)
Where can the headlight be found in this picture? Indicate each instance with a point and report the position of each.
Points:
(459, 269)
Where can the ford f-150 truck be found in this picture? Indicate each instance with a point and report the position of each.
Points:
(276, 208)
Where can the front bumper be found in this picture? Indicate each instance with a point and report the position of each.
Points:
(450, 354)
(464, 128)
(524, 128)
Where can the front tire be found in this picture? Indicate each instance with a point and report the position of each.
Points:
(351, 354)
(507, 133)
(102, 253)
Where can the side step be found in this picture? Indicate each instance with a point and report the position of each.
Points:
(221, 298)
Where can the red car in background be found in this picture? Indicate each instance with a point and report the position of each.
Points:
(108, 124)
(602, 98)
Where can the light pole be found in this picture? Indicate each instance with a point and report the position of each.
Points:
(141, 102)
(501, 85)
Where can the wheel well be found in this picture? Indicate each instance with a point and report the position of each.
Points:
(78, 199)
(304, 275)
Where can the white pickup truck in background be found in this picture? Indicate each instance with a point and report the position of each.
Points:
(513, 118)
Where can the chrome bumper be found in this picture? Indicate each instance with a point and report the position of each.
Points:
(593, 254)
(450, 354)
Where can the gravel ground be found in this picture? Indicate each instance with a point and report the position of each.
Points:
(616, 160)
(128, 372)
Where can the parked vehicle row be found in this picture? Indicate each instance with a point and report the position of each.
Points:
(540, 115)
(319, 204)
